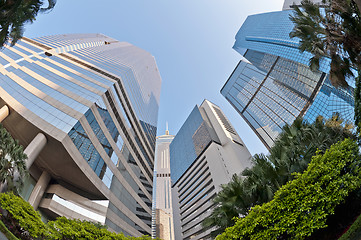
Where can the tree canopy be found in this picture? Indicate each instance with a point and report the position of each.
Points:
(303, 205)
(291, 153)
(14, 14)
(12, 160)
(25, 223)
(331, 30)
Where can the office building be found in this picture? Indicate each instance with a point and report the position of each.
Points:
(85, 107)
(288, 4)
(272, 85)
(162, 202)
(204, 154)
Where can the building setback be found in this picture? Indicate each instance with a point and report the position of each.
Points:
(85, 107)
(204, 154)
(162, 203)
(273, 85)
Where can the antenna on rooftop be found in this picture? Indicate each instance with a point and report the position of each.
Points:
(166, 130)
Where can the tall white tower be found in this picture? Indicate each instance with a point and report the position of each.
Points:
(162, 224)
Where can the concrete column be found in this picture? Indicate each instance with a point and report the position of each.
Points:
(34, 148)
(32, 151)
(39, 190)
(4, 112)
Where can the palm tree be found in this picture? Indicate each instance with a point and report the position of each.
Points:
(331, 30)
(15, 13)
(12, 161)
(292, 151)
(261, 180)
(357, 95)
(230, 202)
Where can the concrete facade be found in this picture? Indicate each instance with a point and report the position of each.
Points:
(287, 5)
(162, 202)
(164, 224)
(85, 107)
(224, 155)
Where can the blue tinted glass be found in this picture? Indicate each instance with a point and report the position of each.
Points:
(86, 148)
(98, 132)
(41, 108)
(189, 142)
(289, 88)
(28, 46)
(48, 90)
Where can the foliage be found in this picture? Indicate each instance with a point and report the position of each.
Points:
(12, 160)
(26, 218)
(332, 30)
(6, 232)
(68, 229)
(302, 205)
(354, 232)
(357, 95)
(15, 13)
(358, 4)
(292, 151)
(231, 201)
(63, 228)
(26, 223)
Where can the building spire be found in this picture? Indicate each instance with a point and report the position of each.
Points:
(166, 130)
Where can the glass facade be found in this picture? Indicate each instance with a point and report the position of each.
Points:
(191, 140)
(275, 85)
(104, 95)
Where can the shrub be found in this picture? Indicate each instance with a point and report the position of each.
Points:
(27, 220)
(302, 205)
(12, 162)
(6, 232)
(63, 228)
(354, 232)
(23, 221)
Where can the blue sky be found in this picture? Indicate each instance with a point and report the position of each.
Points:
(191, 41)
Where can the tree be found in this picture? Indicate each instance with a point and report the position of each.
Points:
(332, 30)
(291, 153)
(302, 206)
(21, 218)
(358, 3)
(25, 223)
(15, 13)
(231, 201)
(12, 160)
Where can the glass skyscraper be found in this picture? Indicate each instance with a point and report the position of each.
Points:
(273, 85)
(89, 105)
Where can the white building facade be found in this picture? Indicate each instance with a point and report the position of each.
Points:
(162, 202)
(205, 153)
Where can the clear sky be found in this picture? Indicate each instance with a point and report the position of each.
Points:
(191, 41)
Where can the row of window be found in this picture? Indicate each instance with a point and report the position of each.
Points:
(163, 174)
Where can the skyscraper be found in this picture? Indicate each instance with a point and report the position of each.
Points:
(204, 154)
(85, 107)
(273, 84)
(162, 203)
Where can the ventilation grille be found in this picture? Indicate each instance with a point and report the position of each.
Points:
(224, 121)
